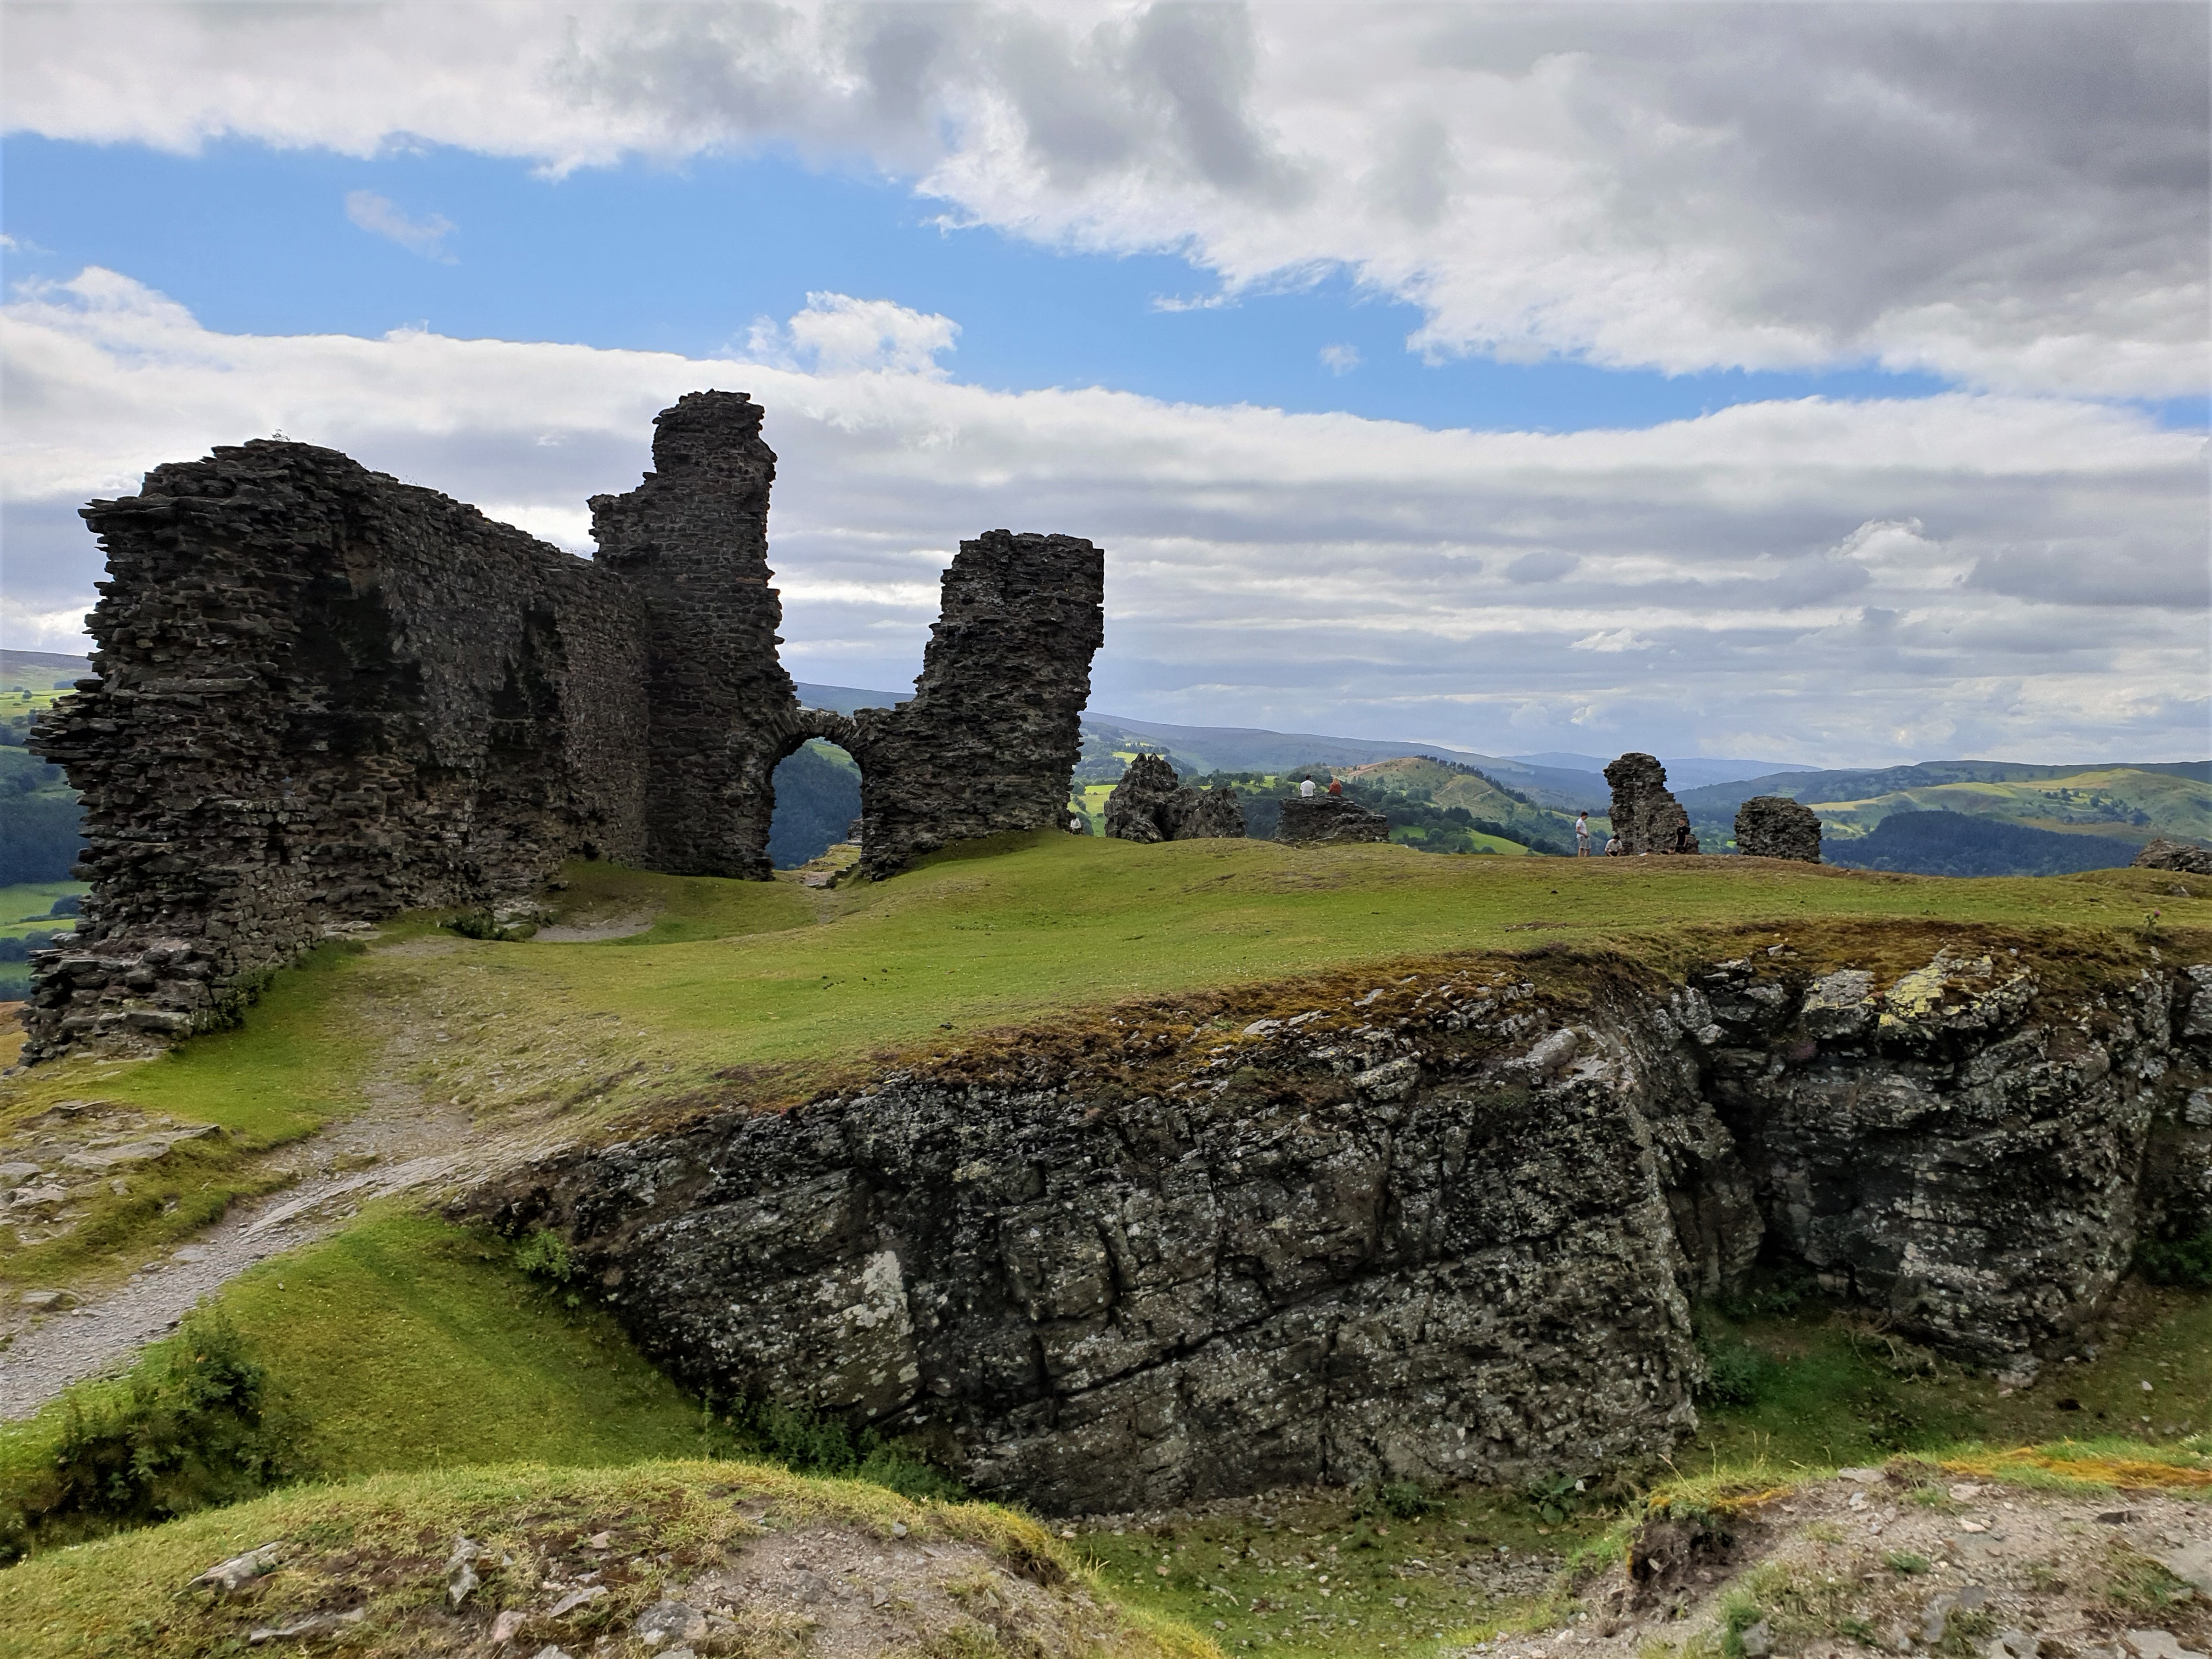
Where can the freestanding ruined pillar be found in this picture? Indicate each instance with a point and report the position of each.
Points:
(692, 539)
(1777, 827)
(1645, 817)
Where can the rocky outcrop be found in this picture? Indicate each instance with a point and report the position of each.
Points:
(1777, 827)
(1317, 820)
(324, 696)
(1149, 805)
(1446, 1226)
(2176, 855)
(1645, 817)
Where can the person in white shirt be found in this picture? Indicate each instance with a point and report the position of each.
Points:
(1305, 788)
(1582, 835)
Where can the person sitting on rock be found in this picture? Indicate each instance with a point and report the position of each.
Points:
(1305, 788)
(1336, 786)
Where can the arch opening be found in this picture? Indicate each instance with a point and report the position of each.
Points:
(817, 786)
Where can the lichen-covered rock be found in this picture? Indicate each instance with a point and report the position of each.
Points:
(1315, 820)
(1645, 817)
(1777, 827)
(1149, 805)
(1446, 1227)
(2177, 855)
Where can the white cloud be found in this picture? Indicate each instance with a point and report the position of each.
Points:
(838, 334)
(1766, 568)
(380, 217)
(2013, 197)
(1340, 359)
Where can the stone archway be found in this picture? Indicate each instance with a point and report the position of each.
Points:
(807, 726)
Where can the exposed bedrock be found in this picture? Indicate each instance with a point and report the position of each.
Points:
(1315, 820)
(1149, 805)
(1777, 827)
(1644, 816)
(1450, 1227)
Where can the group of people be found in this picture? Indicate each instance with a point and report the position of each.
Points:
(1613, 846)
(1306, 788)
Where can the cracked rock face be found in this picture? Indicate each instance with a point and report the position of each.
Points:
(1449, 1228)
(1644, 816)
(1777, 827)
(1149, 805)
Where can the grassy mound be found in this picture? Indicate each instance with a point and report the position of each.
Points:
(755, 1560)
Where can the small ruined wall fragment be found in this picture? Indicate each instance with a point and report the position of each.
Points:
(322, 696)
(1645, 817)
(1777, 827)
(992, 735)
(1151, 804)
(692, 539)
(1320, 820)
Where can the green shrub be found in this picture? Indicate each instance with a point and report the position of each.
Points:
(807, 1443)
(2185, 1262)
(1736, 1373)
(1404, 1500)
(191, 1427)
(545, 1256)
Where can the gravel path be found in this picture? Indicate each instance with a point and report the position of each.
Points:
(415, 1146)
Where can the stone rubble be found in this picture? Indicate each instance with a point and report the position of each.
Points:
(1328, 820)
(2176, 855)
(1151, 804)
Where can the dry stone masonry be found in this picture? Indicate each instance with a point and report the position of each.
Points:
(322, 696)
(1645, 817)
(1449, 1225)
(2176, 855)
(1149, 805)
(1777, 827)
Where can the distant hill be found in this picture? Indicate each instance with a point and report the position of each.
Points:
(1683, 772)
(2122, 806)
(41, 671)
(1954, 844)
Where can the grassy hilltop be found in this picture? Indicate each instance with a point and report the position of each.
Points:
(406, 1351)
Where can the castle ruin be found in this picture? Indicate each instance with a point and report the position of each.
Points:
(322, 696)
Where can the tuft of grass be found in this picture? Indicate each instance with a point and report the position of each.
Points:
(1905, 1562)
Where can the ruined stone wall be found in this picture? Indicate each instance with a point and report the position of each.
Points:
(692, 539)
(1324, 820)
(1449, 1227)
(323, 695)
(992, 735)
(1644, 816)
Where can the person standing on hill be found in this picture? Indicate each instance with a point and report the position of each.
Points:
(1305, 788)
(1582, 835)
(1682, 836)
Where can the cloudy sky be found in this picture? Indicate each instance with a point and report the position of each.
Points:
(1823, 383)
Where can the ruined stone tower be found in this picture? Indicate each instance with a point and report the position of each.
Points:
(692, 539)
